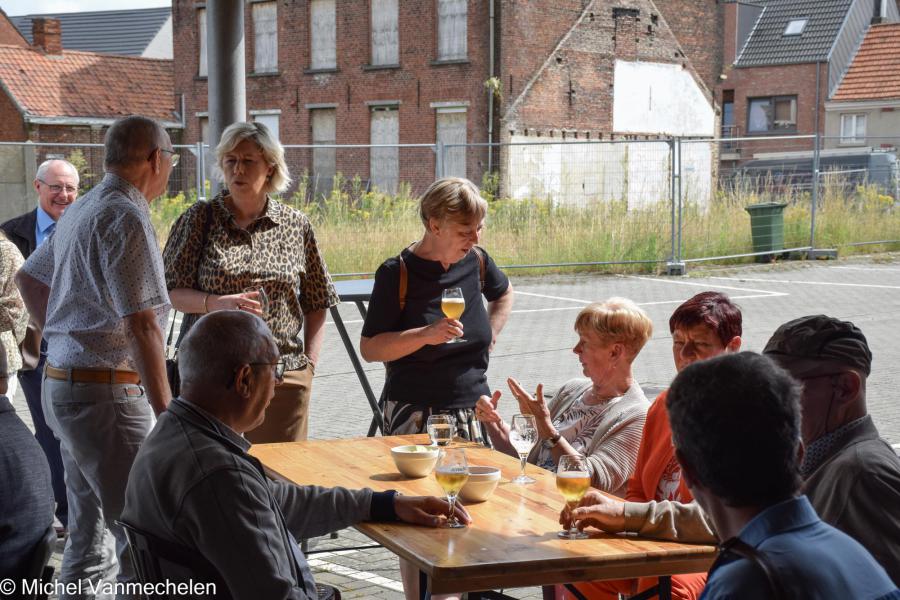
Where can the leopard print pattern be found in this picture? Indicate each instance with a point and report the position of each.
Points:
(278, 251)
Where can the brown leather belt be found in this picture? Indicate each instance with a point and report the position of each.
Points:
(92, 375)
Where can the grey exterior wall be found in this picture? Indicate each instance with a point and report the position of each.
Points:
(882, 127)
(17, 171)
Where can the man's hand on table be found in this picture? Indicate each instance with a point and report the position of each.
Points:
(598, 510)
(427, 510)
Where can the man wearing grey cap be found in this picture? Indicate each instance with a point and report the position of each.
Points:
(852, 475)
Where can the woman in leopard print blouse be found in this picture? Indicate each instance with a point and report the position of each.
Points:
(245, 238)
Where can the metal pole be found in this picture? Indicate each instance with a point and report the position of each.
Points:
(490, 132)
(815, 174)
(680, 200)
(671, 143)
(201, 178)
(225, 41)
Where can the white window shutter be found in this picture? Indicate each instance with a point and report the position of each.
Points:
(385, 33)
(451, 129)
(323, 35)
(324, 131)
(201, 38)
(452, 29)
(385, 162)
(265, 33)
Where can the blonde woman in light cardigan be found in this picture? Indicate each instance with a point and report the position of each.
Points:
(600, 417)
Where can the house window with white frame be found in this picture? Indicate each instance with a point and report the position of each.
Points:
(385, 33)
(269, 119)
(201, 41)
(323, 122)
(451, 130)
(853, 128)
(452, 29)
(384, 163)
(322, 34)
(265, 36)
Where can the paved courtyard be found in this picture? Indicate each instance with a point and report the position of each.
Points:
(536, 347)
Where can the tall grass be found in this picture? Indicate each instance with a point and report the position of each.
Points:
(357, 228)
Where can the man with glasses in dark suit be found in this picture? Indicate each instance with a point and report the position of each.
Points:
(56, 184)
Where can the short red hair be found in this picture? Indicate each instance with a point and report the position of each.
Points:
(713, 309)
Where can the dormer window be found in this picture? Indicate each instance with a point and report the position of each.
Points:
(795, 27)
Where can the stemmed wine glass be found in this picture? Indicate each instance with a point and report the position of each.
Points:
(523, 436)
(572, 481)
(452, 472)
(453, 305)
(261, 297)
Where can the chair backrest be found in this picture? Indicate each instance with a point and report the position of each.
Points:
(36, 568)
(157, 561)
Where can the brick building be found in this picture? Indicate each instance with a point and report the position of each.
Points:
(391, 71)
(775, 52)
(49, 95)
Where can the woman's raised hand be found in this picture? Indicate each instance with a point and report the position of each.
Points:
(528, 404)
(442, 331)
(486, 409)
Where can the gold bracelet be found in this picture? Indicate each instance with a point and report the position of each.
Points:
(205, 305)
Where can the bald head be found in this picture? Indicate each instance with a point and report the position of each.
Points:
(219, 343)
(130, 140)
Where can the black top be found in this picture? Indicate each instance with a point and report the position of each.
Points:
(443, 375)
(20, 231)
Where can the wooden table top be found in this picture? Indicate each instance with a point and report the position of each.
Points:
(512, 541)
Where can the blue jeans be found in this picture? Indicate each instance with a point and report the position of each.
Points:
(31, 387)
(100, 428)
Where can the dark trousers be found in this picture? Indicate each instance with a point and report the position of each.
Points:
(31, 387)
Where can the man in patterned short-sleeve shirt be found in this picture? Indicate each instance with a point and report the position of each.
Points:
(97, 288)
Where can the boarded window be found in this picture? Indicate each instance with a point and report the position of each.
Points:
(323, 36)
(204, 130)
(385, 33)
(452, 29)
(265, 32)
(324, 126)
(270, 121)
(384, 170)
(451, 129)
(201, 39)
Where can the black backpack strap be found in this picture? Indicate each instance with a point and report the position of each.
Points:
(738, 547)
(482, 266)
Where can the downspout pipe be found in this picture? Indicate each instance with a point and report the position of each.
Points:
(490, 131)
(815, 181)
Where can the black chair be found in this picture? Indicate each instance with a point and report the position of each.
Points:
(37, 569)
(158, 561)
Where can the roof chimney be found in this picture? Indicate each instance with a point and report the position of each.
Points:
(46, 34)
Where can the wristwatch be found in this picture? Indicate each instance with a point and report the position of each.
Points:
(551, 442)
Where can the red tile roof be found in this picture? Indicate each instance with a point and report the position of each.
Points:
(874, 73)
(86, 84)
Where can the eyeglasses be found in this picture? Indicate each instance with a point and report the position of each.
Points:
(55, 188)
(277, 368)
(175, 156)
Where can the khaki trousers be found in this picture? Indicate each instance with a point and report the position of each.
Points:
(287, 416)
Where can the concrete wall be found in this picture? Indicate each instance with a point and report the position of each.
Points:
(660, 99)
(587, 172)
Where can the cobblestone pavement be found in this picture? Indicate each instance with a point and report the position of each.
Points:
(536, 347)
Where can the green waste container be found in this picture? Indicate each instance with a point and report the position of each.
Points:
(766, 228)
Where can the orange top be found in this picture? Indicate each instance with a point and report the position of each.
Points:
(655, 454)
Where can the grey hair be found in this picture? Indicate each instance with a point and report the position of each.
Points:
(219, 343)
(130, 140)
(271, 149)
(45, 166)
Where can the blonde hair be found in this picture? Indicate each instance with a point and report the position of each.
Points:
(452, 198)
(616, 320)
(271, 149)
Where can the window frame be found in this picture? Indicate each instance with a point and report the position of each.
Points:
(803, 22)
(854, 141)
(772, 129)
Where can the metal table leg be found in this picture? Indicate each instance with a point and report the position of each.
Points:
(378, 418)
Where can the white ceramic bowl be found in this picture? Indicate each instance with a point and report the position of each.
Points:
(481, 483)
(415, 460)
